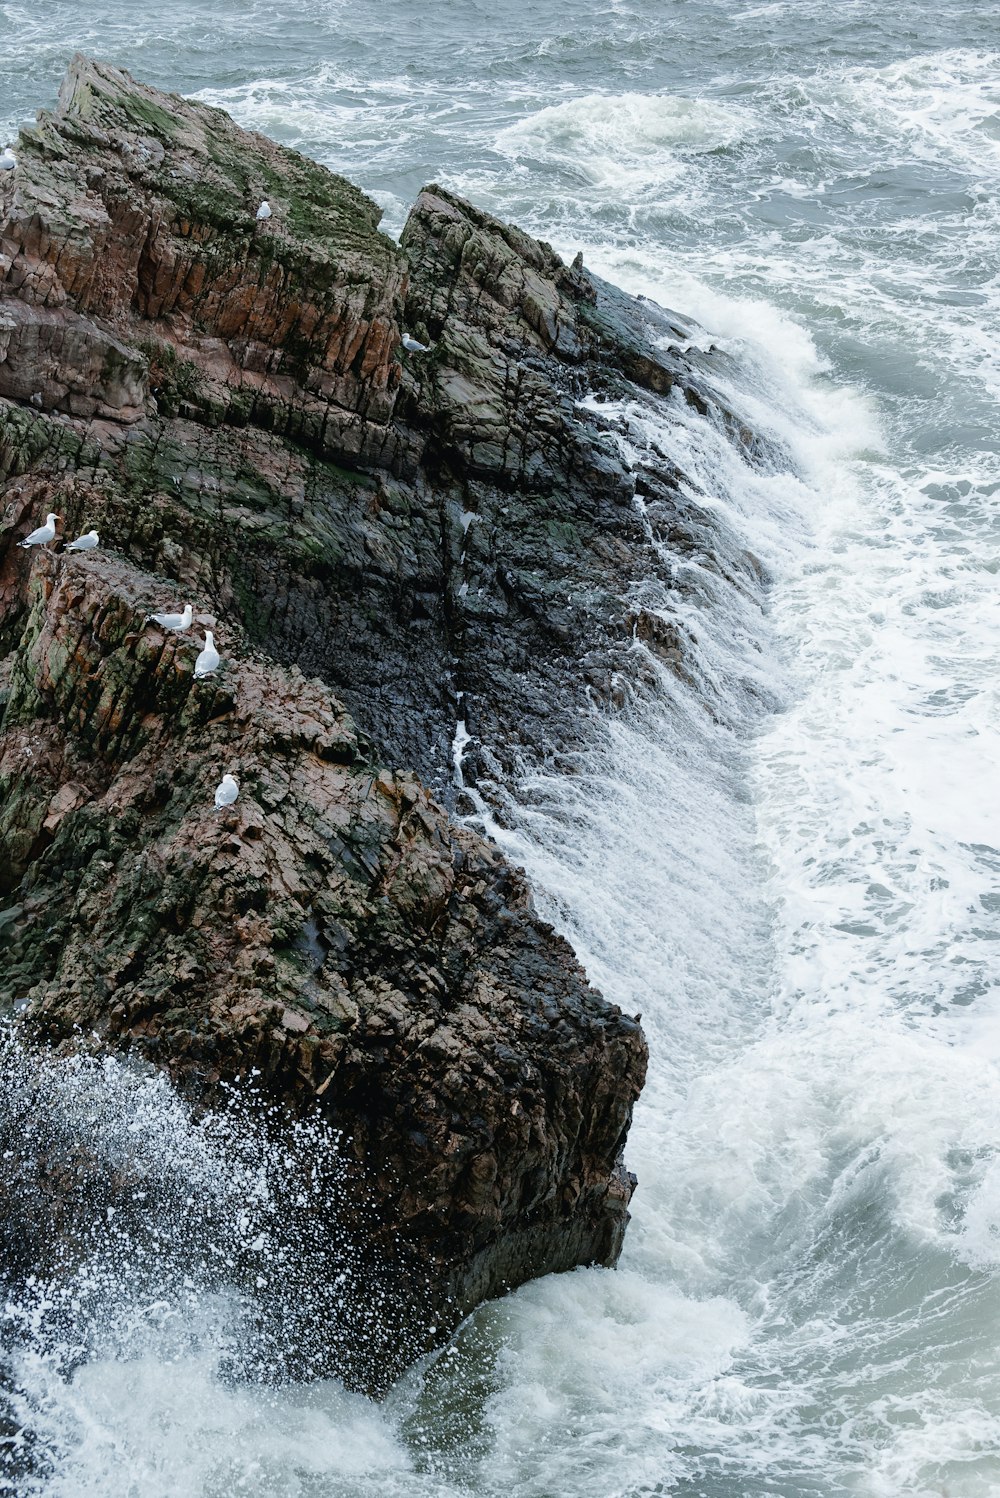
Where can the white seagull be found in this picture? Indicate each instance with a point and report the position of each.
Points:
(89, 541)
(8, 161)
(208, 660)
(226, 792)
(264, 211)
(413, 347)
(178, 622)
(44, 534)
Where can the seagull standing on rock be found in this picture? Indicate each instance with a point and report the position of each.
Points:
(43, 535)
(176, 622)
(208, 660)
(89, 541)
(263, 212)
(226, 792)
(413, 347)
(8, 161)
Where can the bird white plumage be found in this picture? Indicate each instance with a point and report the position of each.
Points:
(226, 791)
(43, 535)
(208, 660)
(8, 161)
(264, 211)
(89, 541)
(177, 622)
(413, 347)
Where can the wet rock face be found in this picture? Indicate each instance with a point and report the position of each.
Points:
(389, 546)
(552, 534)
(333, 932)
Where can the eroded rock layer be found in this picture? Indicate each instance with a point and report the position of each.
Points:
(400, 541)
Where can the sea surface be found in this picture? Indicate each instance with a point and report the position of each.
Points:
(799, 887)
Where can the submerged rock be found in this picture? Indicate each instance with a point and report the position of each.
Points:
(411, 557)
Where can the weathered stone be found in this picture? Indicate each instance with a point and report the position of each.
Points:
(381, 539)
(362, 952)
(135, 211)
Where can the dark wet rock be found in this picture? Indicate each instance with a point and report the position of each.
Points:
(386, 542)
(334, 933)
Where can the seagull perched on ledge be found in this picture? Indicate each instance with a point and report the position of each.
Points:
(263, 212)
(8, 161)
(226, 792)
(44, 534)
(89, 541)
(413, 347)
(177, 622)
(208, 660)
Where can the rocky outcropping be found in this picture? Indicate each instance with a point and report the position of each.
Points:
(411, 559)
(333, 933)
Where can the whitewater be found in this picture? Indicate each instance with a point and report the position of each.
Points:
(787, 858)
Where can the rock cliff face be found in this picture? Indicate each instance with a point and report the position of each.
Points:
(394, 549)
(333, 933)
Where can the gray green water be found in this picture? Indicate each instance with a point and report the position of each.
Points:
(804, 907)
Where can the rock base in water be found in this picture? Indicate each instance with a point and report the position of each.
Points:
(409, 558)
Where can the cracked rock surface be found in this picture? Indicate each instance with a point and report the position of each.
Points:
(387, 545)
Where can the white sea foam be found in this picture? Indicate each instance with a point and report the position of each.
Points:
(168, 1424)
(755, 12)
(941, 105)
(624, 141)
(147, 1346)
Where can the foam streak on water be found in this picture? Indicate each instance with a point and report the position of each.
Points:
(786, 857)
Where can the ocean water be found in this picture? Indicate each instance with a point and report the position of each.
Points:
(798, 887)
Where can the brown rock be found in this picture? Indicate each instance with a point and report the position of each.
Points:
(385, 540)
(332, 930)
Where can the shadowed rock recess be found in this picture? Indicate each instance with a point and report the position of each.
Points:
(389, 545)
